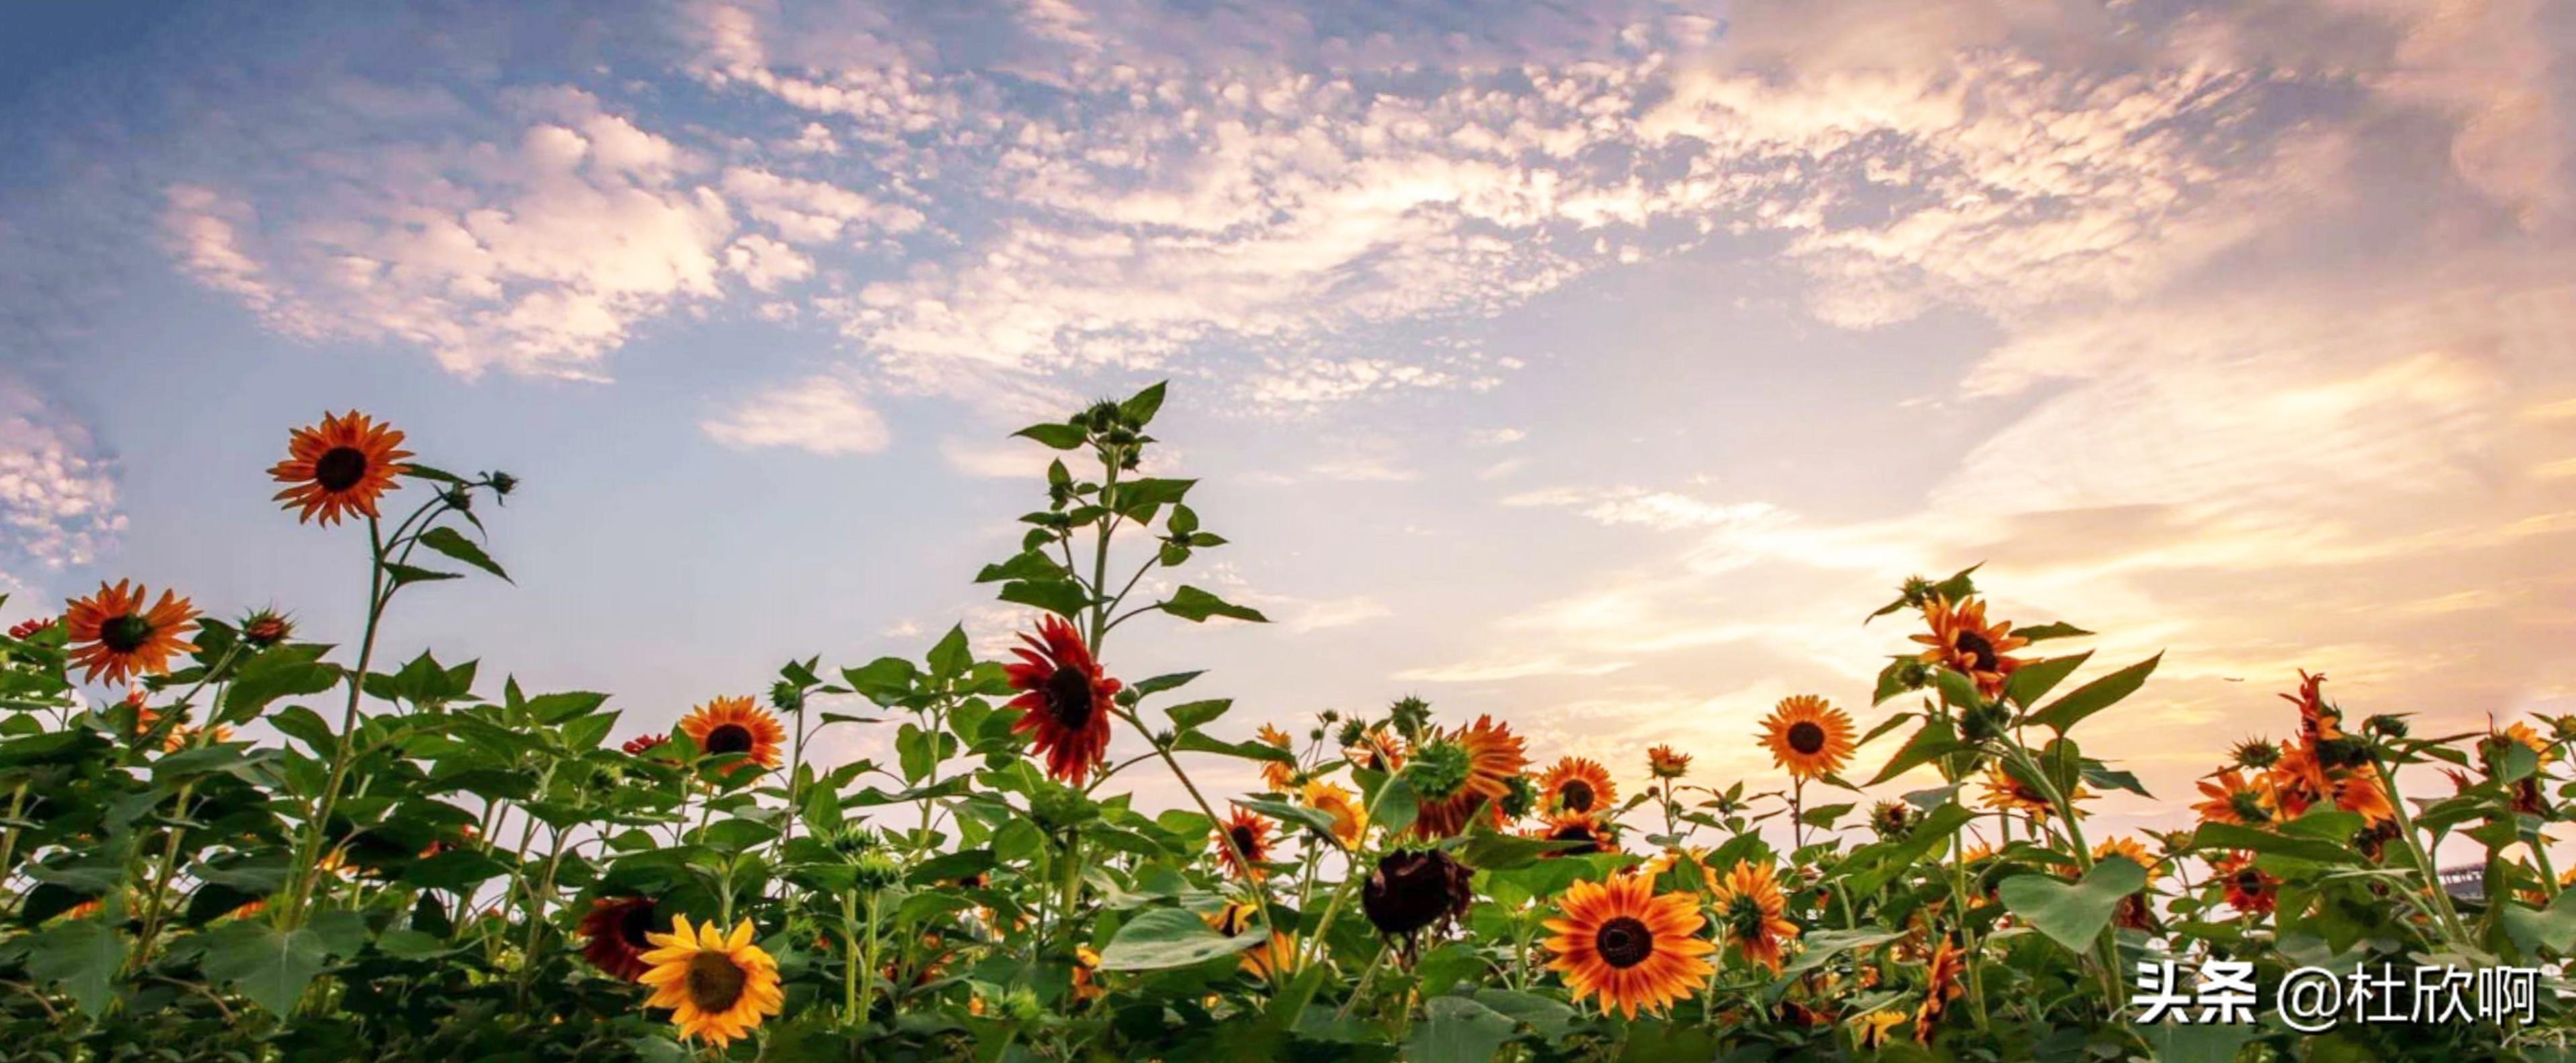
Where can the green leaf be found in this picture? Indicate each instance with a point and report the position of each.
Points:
(951, 657)
(404, 575)
(2254, 840)
(2534, 931)
(455, 869)
(1202, 742)
(1062, 597)
(1161, 683)
(1136, 495)
(2073, 914)
(81, 956)
(281, 672)
(1139, 409)
(1957, 689)
(268, 965)
(454, 544)
(1458, 1030)
(1170, 937)
(1934, 739)
(1027, 564)
(1826, 944)
(1316, 818)
(1198, 713)
(2044, 632)
(1195, 605)
(885, 680)
(2195, 1043)
(1057, 435)
(2033, 681)
(2093, 697)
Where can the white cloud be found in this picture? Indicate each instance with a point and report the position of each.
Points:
(821, 415)
(58, 496)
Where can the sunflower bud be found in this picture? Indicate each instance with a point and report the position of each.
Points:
(1439, 770)
(1331, 717)
(1913, 675)
(1352, 733)
(1059, 808)
(457, 498)
(1415, 888)
(2347, 751)
(1101, 417)
(876, 870)
(2385, 725)
(1892, 819)
(1985, 722)
(786, 697)
(854, 840)
(265, 628)
(501, 483)
(1916, 590)
(2256, 753)
(1520, 798)
(1411, 715)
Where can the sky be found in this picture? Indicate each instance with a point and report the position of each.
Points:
(1596, 366)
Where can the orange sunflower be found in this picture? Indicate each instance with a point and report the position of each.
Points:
(1808, 736)
(1576, 785)
(1962, 641)
(113, 634)
(1277, 775)
(1476, 765)
(1250, 834)
(1376, 750)
(735, 725)
(1941, 985)
(27, 629)
(2249, 890)
(2363, 792)
(2234, 800)
(1350, 821)
(1065, 701)
(340, 466)
(1236, 918)
(617, 929)
(1750, 911)
(1632, 949)
(1663, 762)
(1596, 835)
(2009, 794)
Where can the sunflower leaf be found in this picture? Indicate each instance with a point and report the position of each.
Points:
(1934, 739)
(1054, 434)
(2033, 681)
(2059, 630)
(268, 965)
(2093, 697)
(1458, 1030)
(1301, 815)
(1195, 605)
(1198, 713)
(82, 956)
(1164, 938)
(406, 574)
(1062, 597)
(454, 544)
(2073, 914)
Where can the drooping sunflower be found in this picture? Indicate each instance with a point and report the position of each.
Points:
(1279, 776)
(1576, 785)
(1350, 821)
(1413, 889)
(340, 466)
(1962, 641)
(1590, 833)
(2523, 733)
(736, 725)
(1065, 702)
(1235, 919)
(2249, 890)
(1664, 762)
(2232, 799)
(1872, 1030)
(1751, 912)
(619, 930)
(1250, 833)
(1941, 985)
(2009, 794)
(1462, 769)
(1808, 736)
(1620, 942)
(112, 633)
(718, 986)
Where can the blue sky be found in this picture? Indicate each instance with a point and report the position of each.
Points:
(1597, 365)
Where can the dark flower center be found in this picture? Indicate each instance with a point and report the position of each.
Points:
(714, 982)
(1745, 915)
(2249, 881)
(125, 634)
(1068, 698)
(729, 738)
(1576, 795)
(1978, 650)
(1807, 737)
(340, 468)
(1624, 942)
(1576, 832)
(1244, 842)
(636, 922)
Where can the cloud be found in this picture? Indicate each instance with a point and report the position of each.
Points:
(58, 495)
(820, 415)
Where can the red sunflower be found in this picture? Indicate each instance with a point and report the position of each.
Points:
(1250, 834)
(1475, 766)
(113, 634)
(1065, 703)
(616, 927)
(340, 466)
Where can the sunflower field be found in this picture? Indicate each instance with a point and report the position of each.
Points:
(234, 839)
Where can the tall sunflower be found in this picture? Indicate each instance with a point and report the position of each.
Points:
(1634, 950)
(112, 633)
(340, 466)
(1350, 821)
(1808, 736)
(1261, 960)
(1250, 834)
(1065, 702)
(718, 986)
(619, 929)
(1577, 785)
(1664, 762)
(1962, 641)
(1461, 769)
(736, 725)
(1752, 912)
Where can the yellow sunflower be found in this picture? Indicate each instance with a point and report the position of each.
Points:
(1963, 642)
(1576, 785)
(735, 725)
(1620, 942)
(1872, 1030)
(718, 986)
(2006, 793)
(1808, 736)
(340, 466)
(1277, 775)
(1350, 821)
(2233, 799)
(1941, 985)
(113, 634)
(1236, 918)
(1481, 760)
(1750, 911)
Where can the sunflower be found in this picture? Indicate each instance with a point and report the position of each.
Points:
(2298, 780)
(2255, 754)
(1663, 762)
(1941, 985)
(111, 633)
(1250, 834)
(735, 725)
(1594, 834)
(263, 628)
(2249, 890)
(340, 466)
(1086, 974)
(27, 629)
(1872, 1030)
(641, 745)
(1808, 736)
(1065, 701)
(1412, 889)
(1633, 949)
(2234, 800)
(1576, 785)
(1350, 821)
(1236, 918)
(1376, 750)
(718, 986)
(1963, 642)
(2318, 721)
(1657, 866)
(2134, 911)
(1749, 910)
(1462, 769)
(618, 929)
(2008, 794)
(2363, 793)
(1275, 774)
